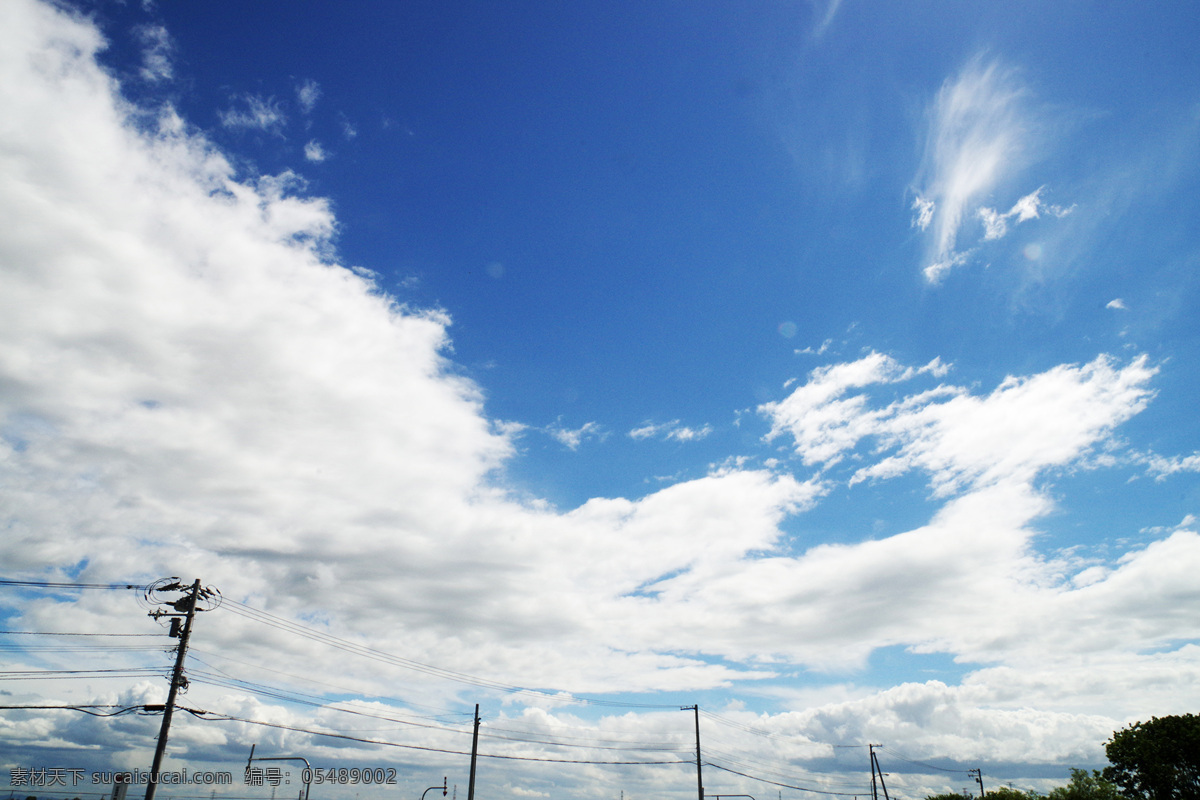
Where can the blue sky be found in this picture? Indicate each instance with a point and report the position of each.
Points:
(825, 365)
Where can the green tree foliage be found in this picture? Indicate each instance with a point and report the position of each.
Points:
(1157, 760)
(1086, 786)
(1000, 793)
(1005, 793)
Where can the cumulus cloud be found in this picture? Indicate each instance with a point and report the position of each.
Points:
(822, 422)
(1023, 427)
(194, 386)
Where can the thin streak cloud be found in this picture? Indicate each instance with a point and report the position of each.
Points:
(978, 134)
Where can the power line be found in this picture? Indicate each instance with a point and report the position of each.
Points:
(288, 626)
(756, 765)
(77, 648)
(445, 712)
(786, 785)
(921, 763)
(86, 709)
(65, 633)
(428, 669)
(630, 742)
(64, 585)
(59, 674)
(200, 676)
(209, 716)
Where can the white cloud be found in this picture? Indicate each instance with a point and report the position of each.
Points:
(826, 10)
(314, 152)
(257, 113)
(924, 208)
(1028, 207)
(978, 135)
(649, 430)
(673, 430)
(157, 50)
(197, 388)
(307, 94)
(194, 386)
(574, 437)
(685, 434)
(935, 272)
(1117, 304)
(1161, 467)
(822, 424)
(995, 224)
(819, 351)
(1024, 426)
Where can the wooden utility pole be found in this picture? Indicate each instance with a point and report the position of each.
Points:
(875, 768)
(474, 753)
(188, 602)
(874, 791)
(978, 779)
(699, 778)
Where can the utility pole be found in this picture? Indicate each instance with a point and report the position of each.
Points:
(185, 608)
(699, 779)
(978, 779)
(875, 768)
(474, 753)
(874, 791)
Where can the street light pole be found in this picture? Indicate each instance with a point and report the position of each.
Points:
(431, 788)
(307, 774)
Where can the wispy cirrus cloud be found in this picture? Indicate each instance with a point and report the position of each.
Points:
(816, 351)
(978, 134)
(307, 94)
(673, 430)
(825, 11)
(157, 51)
(254, 112)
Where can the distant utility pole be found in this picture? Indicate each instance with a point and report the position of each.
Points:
(978, 779)
(185, 609)
(699, 777)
